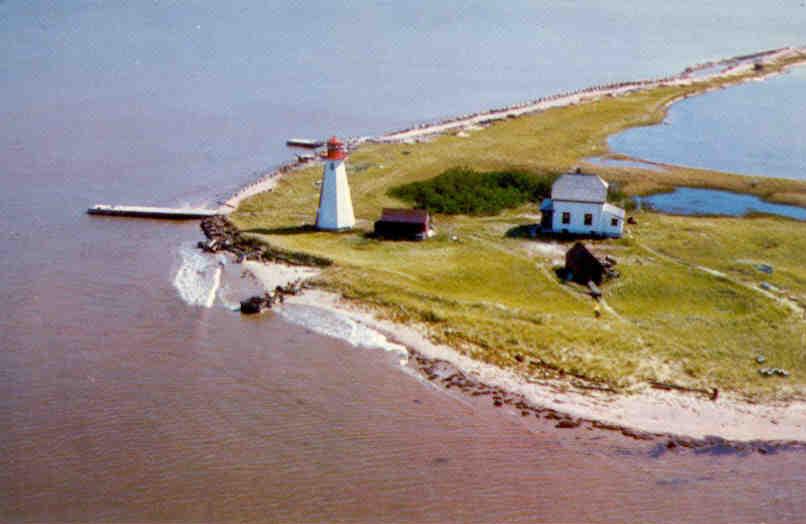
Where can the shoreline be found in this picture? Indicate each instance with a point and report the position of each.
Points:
(648, 414)
(691, 419)
(669, 418)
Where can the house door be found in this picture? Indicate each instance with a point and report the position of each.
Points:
(546, 220)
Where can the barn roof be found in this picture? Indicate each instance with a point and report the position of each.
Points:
(580, 187)
(409, 216)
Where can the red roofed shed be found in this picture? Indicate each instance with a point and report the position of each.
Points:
(409, 224)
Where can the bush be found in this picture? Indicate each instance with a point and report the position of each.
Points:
(616, 195)
(462, 190)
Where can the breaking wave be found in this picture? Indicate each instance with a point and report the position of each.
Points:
(333, 324)
(198, 277)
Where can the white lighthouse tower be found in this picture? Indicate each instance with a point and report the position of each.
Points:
(335, 204)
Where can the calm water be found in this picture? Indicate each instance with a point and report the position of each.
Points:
(119, 401)
(691, 201)
(757, 128)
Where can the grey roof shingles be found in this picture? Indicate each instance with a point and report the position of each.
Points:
(579, 188)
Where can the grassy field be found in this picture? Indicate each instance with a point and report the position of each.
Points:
(688, 307)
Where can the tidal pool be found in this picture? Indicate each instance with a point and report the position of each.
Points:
(756, 128)
(692, 201)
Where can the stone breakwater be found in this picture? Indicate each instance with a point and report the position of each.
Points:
(722, 68)
(222, 235)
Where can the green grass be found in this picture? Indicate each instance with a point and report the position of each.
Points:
(493, 295)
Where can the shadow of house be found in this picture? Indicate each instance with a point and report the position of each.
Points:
(523, 231)
(535, 232)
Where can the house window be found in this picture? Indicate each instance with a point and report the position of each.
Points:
(588, 219)
(614, 222)
(566, 217)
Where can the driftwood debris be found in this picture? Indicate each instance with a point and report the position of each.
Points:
(259, 303)
(770, 372)
(712, 394)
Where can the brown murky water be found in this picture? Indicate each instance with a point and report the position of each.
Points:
(260, 420)
(120, 402)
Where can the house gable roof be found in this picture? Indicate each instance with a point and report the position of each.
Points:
(613, 210)
(408, 216)
(580, 187)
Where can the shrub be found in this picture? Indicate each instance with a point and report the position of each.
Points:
(462, 190)
(616, 195)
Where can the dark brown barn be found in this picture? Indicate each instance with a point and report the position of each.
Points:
(582, 266)
(403, 224)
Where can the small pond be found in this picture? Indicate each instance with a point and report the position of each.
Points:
(691, 201)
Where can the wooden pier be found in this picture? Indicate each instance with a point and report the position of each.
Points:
(182, 213)
(304, 142)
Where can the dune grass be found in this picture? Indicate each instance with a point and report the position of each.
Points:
(687, 309)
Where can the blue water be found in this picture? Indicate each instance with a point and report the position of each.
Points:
(691, 201)
(757, 128)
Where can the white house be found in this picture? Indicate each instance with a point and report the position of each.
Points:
(578, 205)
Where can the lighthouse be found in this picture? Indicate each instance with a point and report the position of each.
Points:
(335, 204)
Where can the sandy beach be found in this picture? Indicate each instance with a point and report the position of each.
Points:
(656, 412)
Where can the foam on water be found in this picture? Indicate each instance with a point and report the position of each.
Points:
(214, 287)
(332, 324)
(198, 276)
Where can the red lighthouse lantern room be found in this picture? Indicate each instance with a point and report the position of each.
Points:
(335, 149)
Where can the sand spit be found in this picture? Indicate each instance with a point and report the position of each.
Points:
(671, 418)
(722, 69)
(693, 75)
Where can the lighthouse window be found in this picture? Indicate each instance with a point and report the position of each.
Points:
(566, 217)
